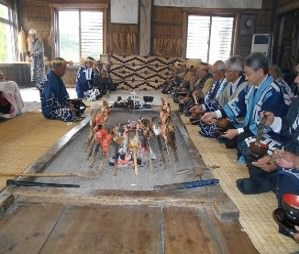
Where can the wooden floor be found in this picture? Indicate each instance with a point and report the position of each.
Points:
(65, 221)
(118, 229)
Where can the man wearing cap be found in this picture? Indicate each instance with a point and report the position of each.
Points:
(36, 54)
(55, 102)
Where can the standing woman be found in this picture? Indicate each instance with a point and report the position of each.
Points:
(36, 54)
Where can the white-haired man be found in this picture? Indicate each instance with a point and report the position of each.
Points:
(36, 54)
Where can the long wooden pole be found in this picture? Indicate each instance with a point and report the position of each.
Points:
(38, 174)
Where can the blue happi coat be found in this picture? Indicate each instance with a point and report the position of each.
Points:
(211, 104)
(288, 137)
(224, 92)
(83, 84)
(209, 99)
(54, 98)
(288, 179)
(268, 96)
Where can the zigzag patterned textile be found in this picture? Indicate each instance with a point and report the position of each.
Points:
(139, 72)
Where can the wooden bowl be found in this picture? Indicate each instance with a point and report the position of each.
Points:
(259, 149)
(285, 226)
(148, 99)
(223, 124)
(290, 205)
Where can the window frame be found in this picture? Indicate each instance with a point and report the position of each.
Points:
(212, 13)
(55, 8)
(13, 34)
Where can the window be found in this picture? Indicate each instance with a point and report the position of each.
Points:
(209, 38)
(6, 35)
(80, 34)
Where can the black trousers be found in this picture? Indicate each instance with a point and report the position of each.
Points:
(232, 143)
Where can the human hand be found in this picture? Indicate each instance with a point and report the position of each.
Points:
(285, 159)
(268, 117)
(230, 134)
(265, 163)
(209, 118)
(195, 108)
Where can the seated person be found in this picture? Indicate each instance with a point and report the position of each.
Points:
(234, 68)
(276, 74)
(98, 80)
(55, 102)
(102, 79)
(262, 173)
(184, 88)
(287, 181)
(11, 102)
(174, 80)
(288, 177)
(204, 73)
(218, 70)
(262, 95)
(85, 77)
(201, 87)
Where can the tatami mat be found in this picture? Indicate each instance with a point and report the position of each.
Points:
(255, 210)
(26, 138)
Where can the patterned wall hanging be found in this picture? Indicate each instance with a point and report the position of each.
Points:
(142, 73)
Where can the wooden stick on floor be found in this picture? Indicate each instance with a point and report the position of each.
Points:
(38, 174)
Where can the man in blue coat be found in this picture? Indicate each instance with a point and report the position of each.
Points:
(262, 94)
(85, 76)
(55, 101)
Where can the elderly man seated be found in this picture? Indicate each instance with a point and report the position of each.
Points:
(55, 100)
(11, 102)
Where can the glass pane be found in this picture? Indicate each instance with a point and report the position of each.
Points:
(221, 38)
(6, 46)
(198, 37)
(4, 12)
(68, 23)
(91, 34)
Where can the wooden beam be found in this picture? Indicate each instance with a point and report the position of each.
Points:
(145, 27)
(287, 7)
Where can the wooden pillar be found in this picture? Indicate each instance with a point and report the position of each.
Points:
(145, 27)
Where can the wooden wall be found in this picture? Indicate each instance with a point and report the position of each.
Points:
(261, 22)
(167, 31)
(122, 39)
(37, 15)
(286, 43)
(168, 27)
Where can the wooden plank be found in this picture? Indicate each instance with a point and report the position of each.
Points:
(207, 196)
(192, 231)
(145, 27)
(25, 228)
(231, 235)
(184, 233)
(240, 4)
(105, 230)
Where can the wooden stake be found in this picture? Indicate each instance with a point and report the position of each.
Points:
(135, 161)
(102, 163)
